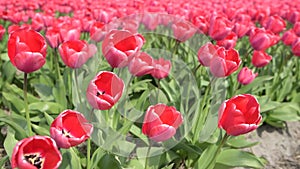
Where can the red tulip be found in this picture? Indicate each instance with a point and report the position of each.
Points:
(36, 152)
(229, 41)
(161, 68)
(260, 58)
(141, 64)
(296, 47)
(226, 62)
(240, 29)
(97, 32)
(104, 90)
(14, 27)
(70, 128)
(53, 37)
(27, 50)
(119, 46)
(69, 32)
(161, 122)
(274, 23)
(183, 30)
(201, 23)
(239, 115)
(206, 53)
(75, 53)
(2, 32)
(289, 37)
(246, 76)
(261, 39)
(219, 27)
(296, 28)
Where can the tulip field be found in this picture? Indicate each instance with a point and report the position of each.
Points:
(154, 84)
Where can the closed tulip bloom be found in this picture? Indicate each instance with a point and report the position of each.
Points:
(161, 68)
(183, 31)
(97, 32)
(119, 47)
(219, 27)
(296, 47)
(262, 39)
(70, 128)
(246, 76)
(2, 32)
(27, 50)
(260, 58)
(75, 53)
(225, 63)
(53, 37)
(69, 32)
(239, 115)
(296, 28)
(229, 41)
(161, 122)
(289, 37)
(104, 90)
(274, 23)
(141, 64)
(37, 152)
(206, 53)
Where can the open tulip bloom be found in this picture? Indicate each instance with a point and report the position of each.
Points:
(161, 122)
(37, 152)
(104, 90)
(70, 128)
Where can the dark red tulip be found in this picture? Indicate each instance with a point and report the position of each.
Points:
(161, 68)
(2, 32)
(27, 50)
(296, 47)
(239, 115)
(141, 64)
(260, 58)
(119, 46)
(37, 152)
(289, 37)
(225, 63)
(70, 128)
(104, 90)
(161, 122)
(75, 53)
(246, 76)
(262, 39)
(296, 28)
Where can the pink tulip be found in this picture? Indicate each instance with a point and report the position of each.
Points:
(206, 53)
(246, 76)
(260, 58)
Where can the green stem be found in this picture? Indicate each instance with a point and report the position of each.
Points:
(147, 155)
(26, 105)
(221, 144)
(88, 154)
(56, 64)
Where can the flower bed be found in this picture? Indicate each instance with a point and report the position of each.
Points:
(145, 84)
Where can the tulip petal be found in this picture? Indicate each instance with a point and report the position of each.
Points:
(162, 132)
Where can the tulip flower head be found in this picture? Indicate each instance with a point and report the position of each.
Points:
(27, 50)
(161, 122)
(239, 115)
(104, 90)
(70, 128)
(34, 152)
(246, 76)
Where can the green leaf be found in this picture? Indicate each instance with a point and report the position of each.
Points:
(238, 158)
(15, 102)
(109, 161)
(3, 160)
(97, 155)
(59, 93)
(207, 157)
(257, 83)
(70, 160)
(8, 72)
(44, 91)
(240, 142)
(49, 107)
(41, 130)
(16, 122)
(10, 142)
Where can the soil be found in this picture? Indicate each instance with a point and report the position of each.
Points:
(281, 147)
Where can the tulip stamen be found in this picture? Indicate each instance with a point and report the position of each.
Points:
(100, 93)
(65, 133)
(35, 159)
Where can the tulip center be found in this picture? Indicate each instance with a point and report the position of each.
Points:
(100, 93)
(35, 159)
(66, 134)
